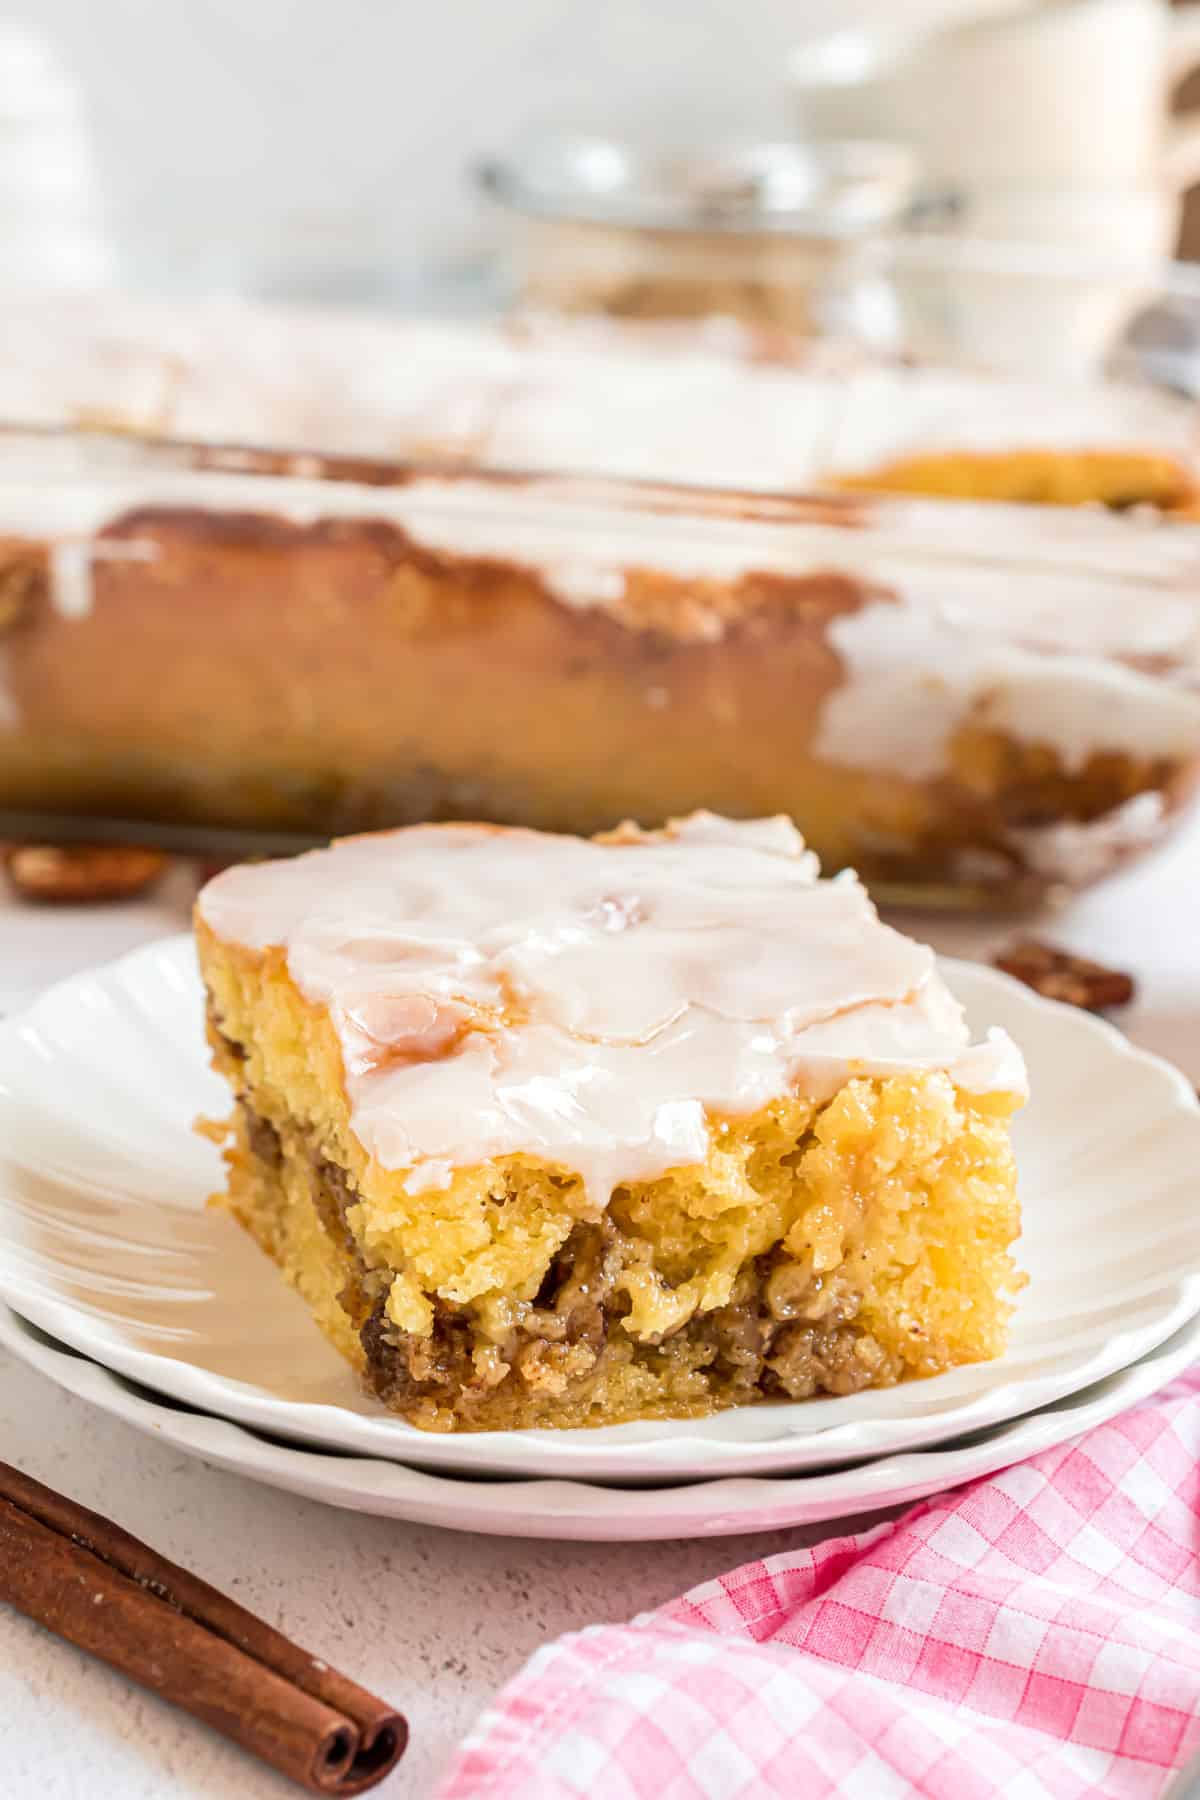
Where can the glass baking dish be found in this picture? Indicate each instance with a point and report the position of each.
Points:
(973, 704)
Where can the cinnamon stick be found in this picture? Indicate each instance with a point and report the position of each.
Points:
(92, 1583)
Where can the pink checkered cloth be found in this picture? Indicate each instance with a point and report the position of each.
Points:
(1035, 1634)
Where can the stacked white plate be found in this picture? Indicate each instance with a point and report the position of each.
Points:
(123, 1286)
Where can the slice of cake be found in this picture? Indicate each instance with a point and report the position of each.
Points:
(558, 1131)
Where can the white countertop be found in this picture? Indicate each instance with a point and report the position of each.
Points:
(433, 1621)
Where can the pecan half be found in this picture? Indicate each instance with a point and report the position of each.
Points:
(1061, 975)
(82, 873)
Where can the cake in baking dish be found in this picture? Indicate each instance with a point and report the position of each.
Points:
(969, 703)
(558, 1131)
(975, 703)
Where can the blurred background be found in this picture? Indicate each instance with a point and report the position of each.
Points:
(926, 247)
(294, 147)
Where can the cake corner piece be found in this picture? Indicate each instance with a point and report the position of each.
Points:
(561, 1131)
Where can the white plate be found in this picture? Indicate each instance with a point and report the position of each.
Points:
(105, 1241)
(581, 1510)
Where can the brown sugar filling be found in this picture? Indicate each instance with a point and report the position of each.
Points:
(787, 1333)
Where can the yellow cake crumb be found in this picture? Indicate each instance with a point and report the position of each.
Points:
(819, 1248)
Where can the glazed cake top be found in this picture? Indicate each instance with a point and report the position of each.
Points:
(499, 992)
(588, 395)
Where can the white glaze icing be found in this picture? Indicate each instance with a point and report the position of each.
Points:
(895, 410)
(498, 992)
(1079, 853)
(585, 585)
(693, 402)
(689, 416)
(71, 577)
(1044, 661)
(71, 562)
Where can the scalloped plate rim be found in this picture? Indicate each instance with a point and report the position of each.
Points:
(558, 1508)
(684, 1450)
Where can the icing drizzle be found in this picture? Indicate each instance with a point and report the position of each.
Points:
(498, 992)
